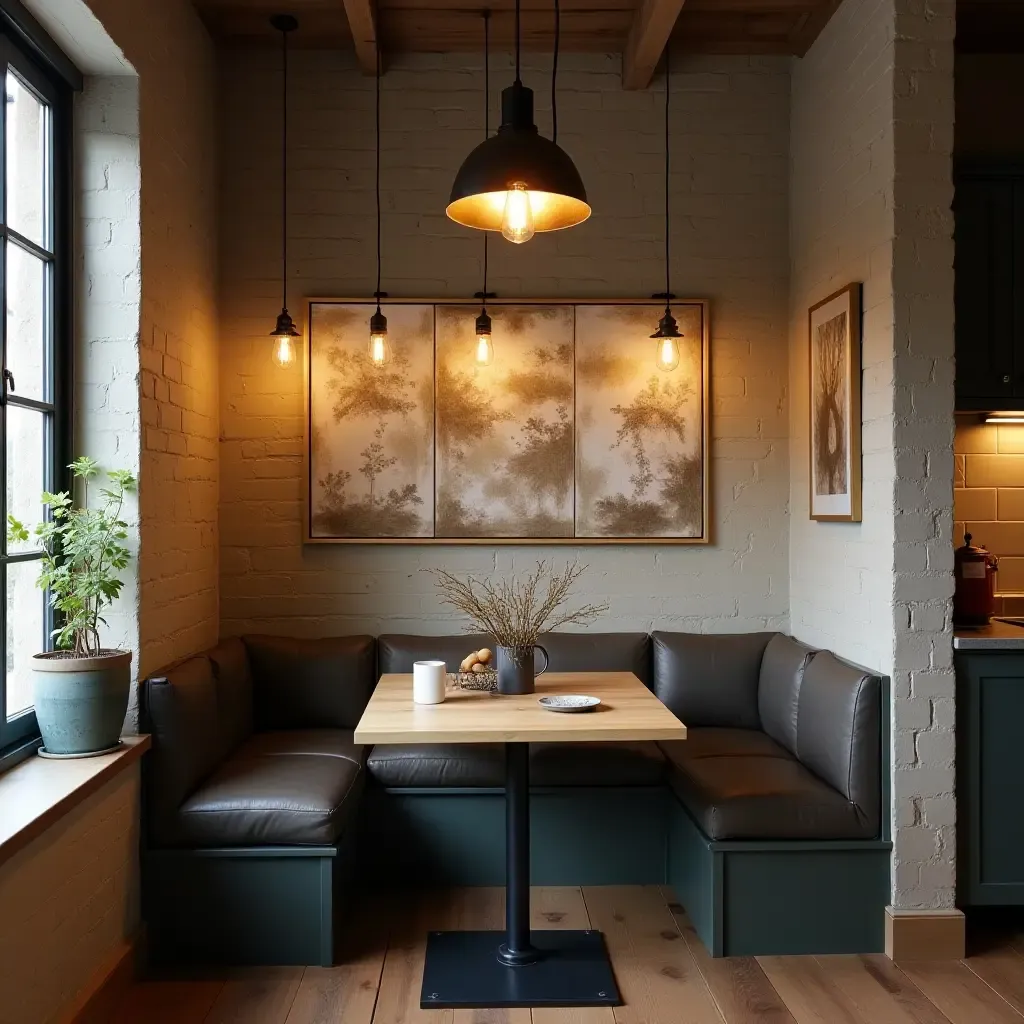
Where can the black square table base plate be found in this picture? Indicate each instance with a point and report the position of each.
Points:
(462, 970)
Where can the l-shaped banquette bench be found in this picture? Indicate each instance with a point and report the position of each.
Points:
(770, 821)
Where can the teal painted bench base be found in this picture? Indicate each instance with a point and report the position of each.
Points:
(578, 836)
(781, 897)
(280, 905)
(257, 905)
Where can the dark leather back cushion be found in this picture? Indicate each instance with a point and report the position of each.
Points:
(310, 684)
(782, 673)
(600, 652)
(710, 679)
(838, 730)
(234, 692)
(397, 651)
(569, 652)
(180, 710)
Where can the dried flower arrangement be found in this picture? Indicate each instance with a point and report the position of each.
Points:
(515, 611)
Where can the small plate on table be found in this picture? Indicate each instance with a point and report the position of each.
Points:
(569, 703)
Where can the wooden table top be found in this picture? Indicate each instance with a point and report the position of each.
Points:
(628, 711)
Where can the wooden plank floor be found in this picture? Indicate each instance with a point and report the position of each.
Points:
(664, 972)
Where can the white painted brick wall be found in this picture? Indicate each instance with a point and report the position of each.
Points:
(70, 901)
(176, 395)
(730, 139)
(924, 687)
(870, 193)
(108, 303)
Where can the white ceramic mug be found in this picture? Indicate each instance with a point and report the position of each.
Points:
(428, 678)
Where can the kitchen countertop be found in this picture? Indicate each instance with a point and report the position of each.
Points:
(997, 636)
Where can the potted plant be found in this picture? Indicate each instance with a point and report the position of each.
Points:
(515, 612)
(81, 689)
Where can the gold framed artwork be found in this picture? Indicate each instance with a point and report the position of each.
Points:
(834, 361)
(570, 433)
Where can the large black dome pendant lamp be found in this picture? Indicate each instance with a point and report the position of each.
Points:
(518, 182)
(667, 352)
(379, 349)
(284, 334)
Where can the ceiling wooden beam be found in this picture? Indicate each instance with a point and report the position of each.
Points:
(652, 25)
(363, 25)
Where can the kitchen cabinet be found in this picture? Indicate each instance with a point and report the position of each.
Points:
(990, 778)
(989, 288)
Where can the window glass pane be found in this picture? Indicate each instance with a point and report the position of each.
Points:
(27, 172)
(26, 322)
(26, 632)
(26, 455)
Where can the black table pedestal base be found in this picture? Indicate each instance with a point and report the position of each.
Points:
(462, 969)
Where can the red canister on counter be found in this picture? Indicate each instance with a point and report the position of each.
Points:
(974, 599)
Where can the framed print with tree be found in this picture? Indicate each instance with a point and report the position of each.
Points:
(565, 428)
(834, 400)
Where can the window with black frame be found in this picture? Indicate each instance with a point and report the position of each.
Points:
(35, 143)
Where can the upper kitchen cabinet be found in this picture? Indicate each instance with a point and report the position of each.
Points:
(989, 289)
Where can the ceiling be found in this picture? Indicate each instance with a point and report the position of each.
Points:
(637, 28)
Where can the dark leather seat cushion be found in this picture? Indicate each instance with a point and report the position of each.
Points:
(483, 765)
(767, 795)
(715, 742)
(291, 788)
(426, 765)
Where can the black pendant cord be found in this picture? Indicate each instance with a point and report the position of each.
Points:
(377, 172)
(284, 170)
(554, 73)
(668, 92)
(487, 127)
(519, 81)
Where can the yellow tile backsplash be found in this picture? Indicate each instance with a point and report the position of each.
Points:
(988, 500)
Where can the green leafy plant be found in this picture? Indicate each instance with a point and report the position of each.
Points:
(84, 553)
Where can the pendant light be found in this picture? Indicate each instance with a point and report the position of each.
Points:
(379, 348)
(484, 345)
(667, 352)
(284, 334)
(519, 182)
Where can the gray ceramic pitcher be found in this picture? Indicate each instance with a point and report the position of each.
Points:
(516, 669)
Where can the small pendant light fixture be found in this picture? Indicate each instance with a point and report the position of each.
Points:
(484, 345)
(379, 349)
(519, 182)
(284, 334)
(667, 352)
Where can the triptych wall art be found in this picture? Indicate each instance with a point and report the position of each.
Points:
(571, 433)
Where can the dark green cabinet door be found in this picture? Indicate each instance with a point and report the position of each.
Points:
(988, 368)
(990, 779)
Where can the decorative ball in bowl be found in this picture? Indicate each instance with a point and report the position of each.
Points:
(476, 672)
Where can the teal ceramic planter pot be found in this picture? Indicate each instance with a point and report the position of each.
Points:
(81, 702)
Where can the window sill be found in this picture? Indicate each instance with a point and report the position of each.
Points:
(37, 793)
